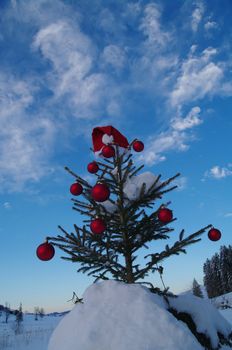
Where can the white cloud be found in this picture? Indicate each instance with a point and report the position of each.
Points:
(226, 89)
(72, 55)
(165, 62)
(217, 172)
(210, 25)
(39, 12)
(107, 20)
(208, 53)
(176, 138)
(228, 215)
(114, 55)
(171, 140)
(154, 64)
(197, 16)
(181, 182)
(25, 139)
(198, 78)
(132, 11)
(151, 27)
(193, 49)
(7, 205)
(192, 119)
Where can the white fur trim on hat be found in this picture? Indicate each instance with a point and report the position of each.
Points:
(106, 139)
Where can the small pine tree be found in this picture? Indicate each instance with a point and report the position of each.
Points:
(41, 312)
(127, 229)
(19, 315)
(7, 312)
(36, 312)
(196, 289)
(19, 320)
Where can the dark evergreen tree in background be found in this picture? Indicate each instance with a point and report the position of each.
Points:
(207, 278)
(218, 273)
(215, 266)
(196, 289)
(230, 269)
(226, 268)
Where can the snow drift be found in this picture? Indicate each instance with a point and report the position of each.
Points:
(120, 316)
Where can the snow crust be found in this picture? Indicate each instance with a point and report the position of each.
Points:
(33, 335)
(206, 317)
(110, 207)
(133, 185)
(217, 301)
(120, 316)
(132, 188)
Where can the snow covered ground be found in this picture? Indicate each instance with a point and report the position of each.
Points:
(36, 334)
(120, 316)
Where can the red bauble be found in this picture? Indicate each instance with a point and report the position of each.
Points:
(100, 192)
(108, 151)
(92, 167)
(76, 189)
(97, 226)
(45, 251)
(165, 215)
(138, 146)
(214, 234)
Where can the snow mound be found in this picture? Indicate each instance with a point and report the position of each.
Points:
(120, 316)
(206, 317)
(222, 300)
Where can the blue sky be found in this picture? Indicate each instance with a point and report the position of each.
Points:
(159, 71)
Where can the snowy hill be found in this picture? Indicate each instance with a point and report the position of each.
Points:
(36, 334)
(120, 316)
(217, 301)
(223, 300)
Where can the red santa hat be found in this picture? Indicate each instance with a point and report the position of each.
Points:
(103, 135)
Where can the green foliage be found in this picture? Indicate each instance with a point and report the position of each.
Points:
(113, 252)
(196, 289)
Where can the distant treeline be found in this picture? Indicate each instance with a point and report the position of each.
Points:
(218, 273)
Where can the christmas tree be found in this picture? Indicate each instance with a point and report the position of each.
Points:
(115, 231)
(118, 225)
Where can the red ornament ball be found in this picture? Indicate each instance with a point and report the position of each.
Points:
(45, 251)
(108, 151)
(100, 192)
(165, 215)
(138, 146)
(92, 167)
(97, 226)
(214, 234)
(76, 189)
